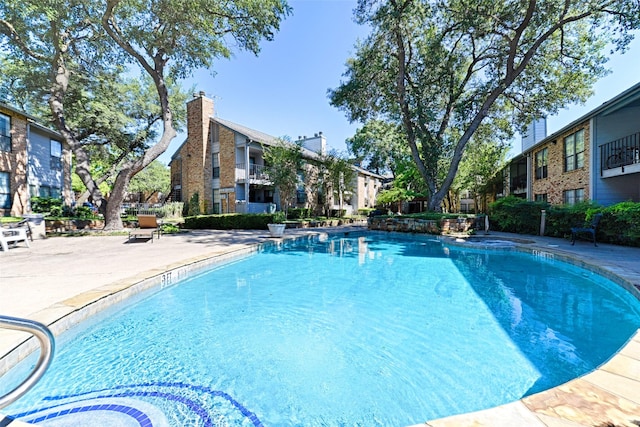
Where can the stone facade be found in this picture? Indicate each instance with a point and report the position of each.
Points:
(558, 181)
(423, 226)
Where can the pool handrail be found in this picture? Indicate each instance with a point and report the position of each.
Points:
(47, 347)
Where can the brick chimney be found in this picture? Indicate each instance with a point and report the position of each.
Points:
(197, 169)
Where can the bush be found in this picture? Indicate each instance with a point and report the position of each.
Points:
(299, 213)
(560, 219)
(365, 211)
(229, 222)
(194, 205)
(515, 215)
(620, 222)
(47, 205)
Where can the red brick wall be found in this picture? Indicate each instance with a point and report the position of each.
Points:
(558, 180)
(15, 163)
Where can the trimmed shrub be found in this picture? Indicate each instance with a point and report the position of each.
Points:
(299, 213)
(229, 222)
(515, 215)
(47, 205)
(193, 208)
(560, 219)
(620, 222)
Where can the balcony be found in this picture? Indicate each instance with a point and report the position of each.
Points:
(620, 157)
(257, 174)
(518, 185)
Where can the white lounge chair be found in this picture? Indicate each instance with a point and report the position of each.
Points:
(13, 235)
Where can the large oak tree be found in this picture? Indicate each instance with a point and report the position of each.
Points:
(445, 69)
(70, 43)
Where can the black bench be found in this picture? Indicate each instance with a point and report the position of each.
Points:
(590, 229)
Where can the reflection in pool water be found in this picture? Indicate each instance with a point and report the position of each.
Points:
(364, 330)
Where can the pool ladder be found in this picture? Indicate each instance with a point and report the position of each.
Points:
(47, 346)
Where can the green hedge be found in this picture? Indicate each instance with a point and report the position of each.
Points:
(515, 215)
(299, 213)
(620, 223)
(229, 222)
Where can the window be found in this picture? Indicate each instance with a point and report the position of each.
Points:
(5, 133)
(56, 193)
(541, 197)
(571, 197)
(56, 155)
(5, 190)
(215, 134)
(301, 196)
(574, 151)
(541, 163)
(216, 200)
(216, 165)
(45, 191)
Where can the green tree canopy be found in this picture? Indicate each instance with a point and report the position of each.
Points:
(155, 178)
(283, 161)
(446, 69)
(379, 145)
(336, 177)
(68, 46)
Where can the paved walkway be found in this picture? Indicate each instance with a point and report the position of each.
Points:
(59, 275)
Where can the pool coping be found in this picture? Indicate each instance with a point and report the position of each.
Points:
(602, 396)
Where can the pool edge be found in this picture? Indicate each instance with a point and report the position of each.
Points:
(547, 408)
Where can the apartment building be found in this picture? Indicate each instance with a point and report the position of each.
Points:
(33, 162)
(594, 158)
(223, 162)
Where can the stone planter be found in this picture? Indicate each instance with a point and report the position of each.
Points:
(276, 230)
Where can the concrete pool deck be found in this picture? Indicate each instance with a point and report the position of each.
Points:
(57, 277)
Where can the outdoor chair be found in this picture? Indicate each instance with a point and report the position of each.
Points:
(588, 229)
(24, 224)
(13, 236)
(147, 226)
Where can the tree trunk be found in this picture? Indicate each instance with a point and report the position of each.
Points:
(112, 219)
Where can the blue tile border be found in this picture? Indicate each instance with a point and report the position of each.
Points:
(142, 419)
(139, 416)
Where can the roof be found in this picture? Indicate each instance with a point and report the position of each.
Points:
(265, 139)
(367, 172)
(34, 120)
(622, 99)
(252, 134)
(257, 136)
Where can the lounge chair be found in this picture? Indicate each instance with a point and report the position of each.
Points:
(590, 229)
(21, 224)
(147, 226)
(13, 236)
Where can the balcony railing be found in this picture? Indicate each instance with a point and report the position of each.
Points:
(256, 172)
(620, 153)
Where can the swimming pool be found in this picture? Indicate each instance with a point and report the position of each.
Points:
(369, 330)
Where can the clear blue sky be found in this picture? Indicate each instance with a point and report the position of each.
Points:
(283, 91)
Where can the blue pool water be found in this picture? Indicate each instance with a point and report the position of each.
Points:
(357, 331)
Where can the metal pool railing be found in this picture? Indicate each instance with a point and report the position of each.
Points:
(47, 346)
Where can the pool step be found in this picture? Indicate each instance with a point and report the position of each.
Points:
(10, 422)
